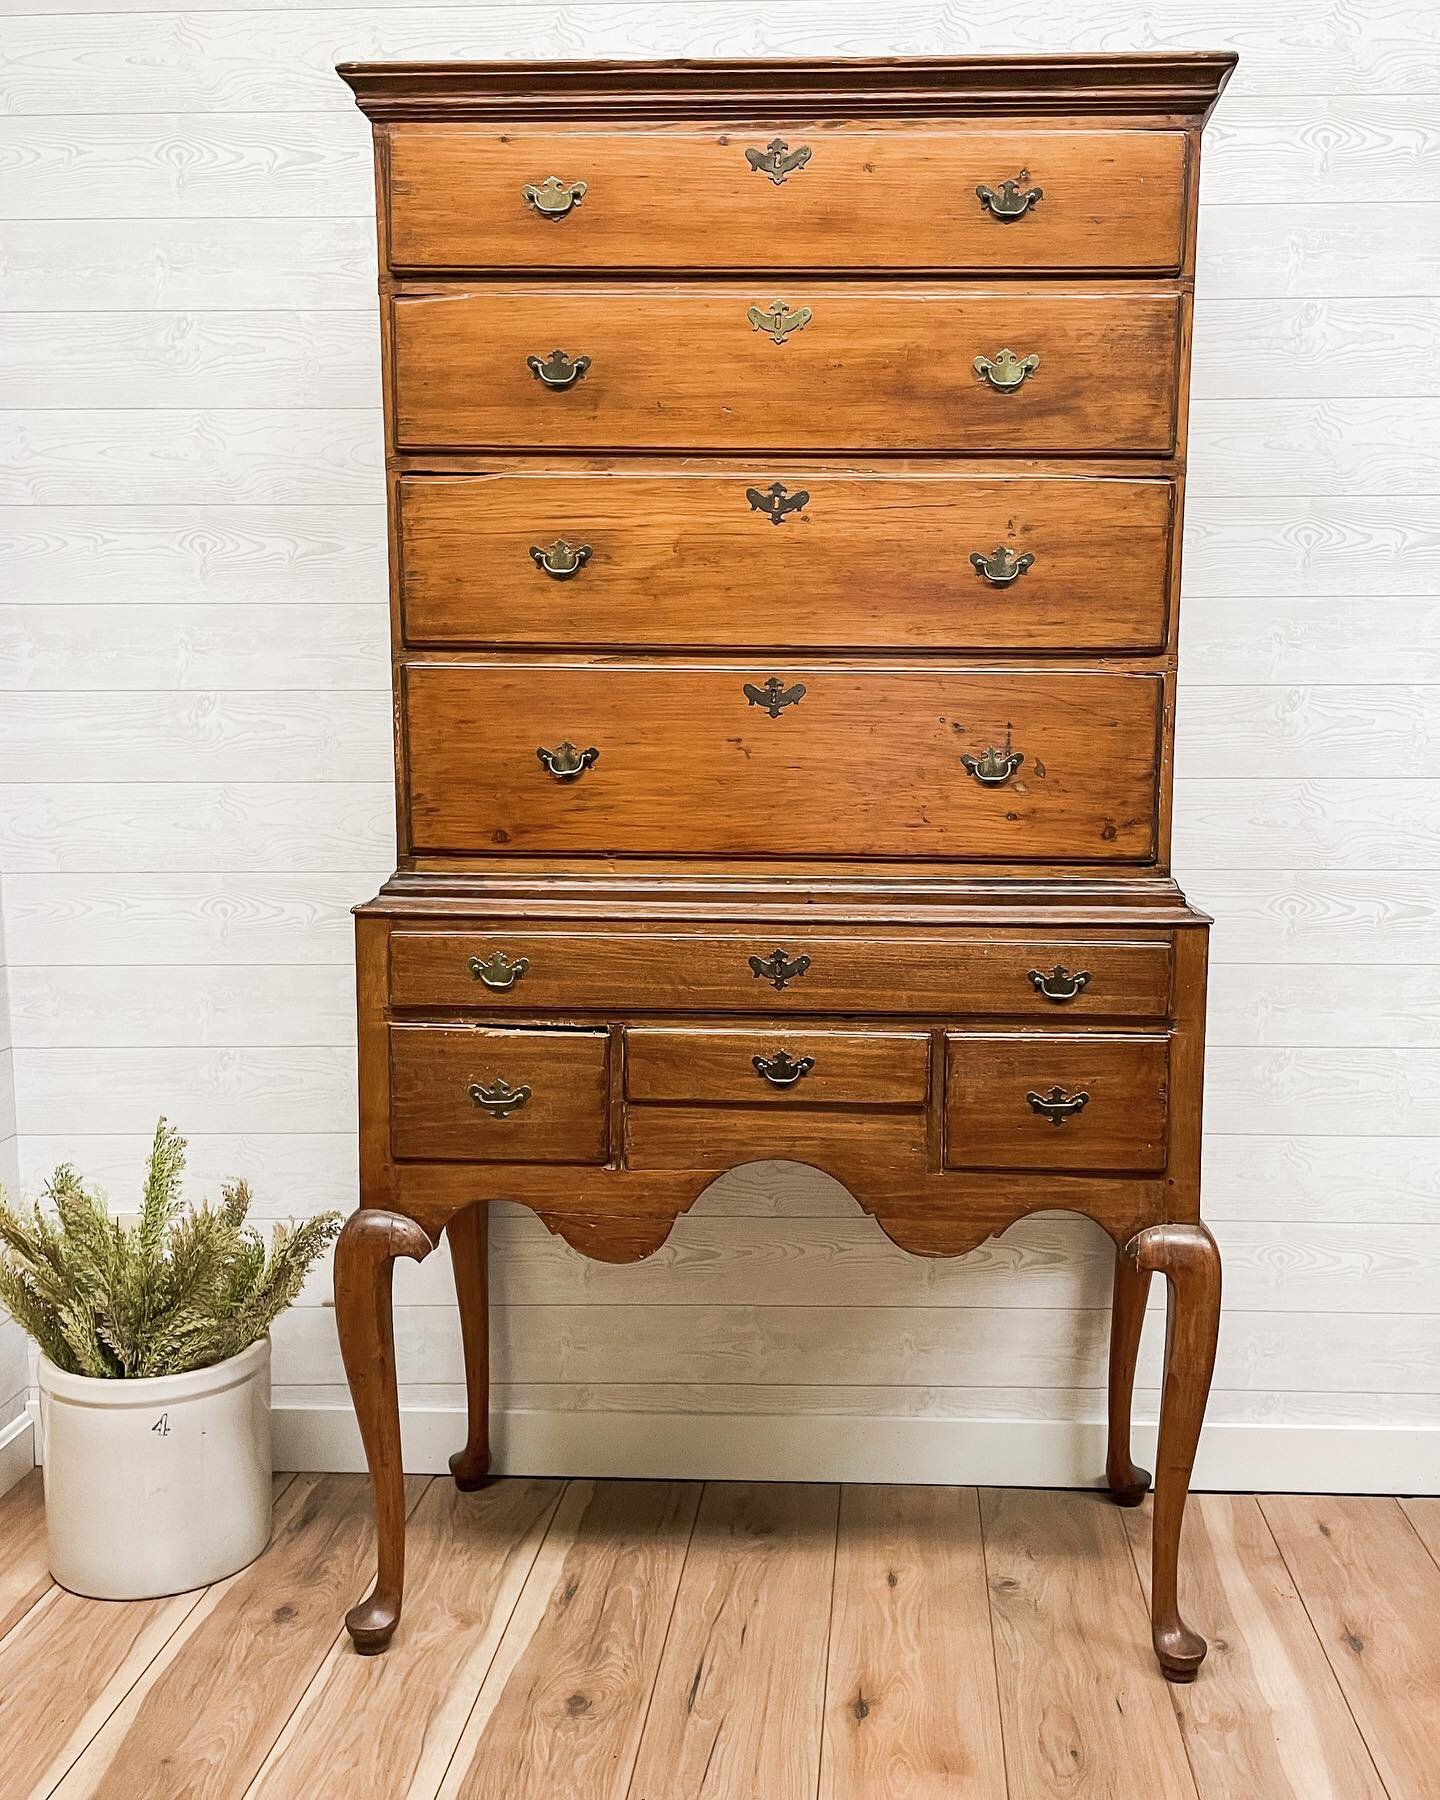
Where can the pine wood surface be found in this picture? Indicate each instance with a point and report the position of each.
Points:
(609, 1640)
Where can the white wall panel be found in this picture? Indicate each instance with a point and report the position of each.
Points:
(194, 739)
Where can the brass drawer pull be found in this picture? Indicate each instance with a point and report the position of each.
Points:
(1005, 370)
(497, 971)
(780, 1070)
(777, 160)
(774, 697)
(777, 968)
(1000, 567)
(779, 321)
(775, 502)
(567, 763)
(1012, 199)
(560, 560)
(995, 767)
(557, 370)
(1059, 985)
(553, 198)
(499, 1099)
(1057, 1106)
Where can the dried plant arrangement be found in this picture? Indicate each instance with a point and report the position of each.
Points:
(182, 1288)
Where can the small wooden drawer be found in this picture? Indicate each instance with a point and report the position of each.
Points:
(776, 554)
(947, 974)
(789, 197)
(783, 761)
(1079, 1102)
(779, 1064)
(462, 1094)
(858, 367)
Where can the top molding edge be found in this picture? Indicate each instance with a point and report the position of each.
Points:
(1186, 85)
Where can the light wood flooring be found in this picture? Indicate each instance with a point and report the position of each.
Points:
(665, 1641)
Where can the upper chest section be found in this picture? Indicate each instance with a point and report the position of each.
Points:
(1034, 166)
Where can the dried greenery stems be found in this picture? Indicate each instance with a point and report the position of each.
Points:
(177, 1290)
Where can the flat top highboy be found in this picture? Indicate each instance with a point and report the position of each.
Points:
(785, 472)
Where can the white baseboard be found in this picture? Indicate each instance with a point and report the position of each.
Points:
(17, 1451)
(981, 1453)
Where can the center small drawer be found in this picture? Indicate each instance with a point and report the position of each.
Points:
(779, 1063)
(465, 1094)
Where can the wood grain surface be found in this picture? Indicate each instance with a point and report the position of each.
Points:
(878, 369)
(689, 762)
(553, 1631)
(881, 560)
(676, 199)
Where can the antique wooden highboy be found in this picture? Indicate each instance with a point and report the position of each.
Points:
(785, 471)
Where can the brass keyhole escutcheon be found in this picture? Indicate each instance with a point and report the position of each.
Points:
(775, 501)
(1005, 371)
(777, 968)
(774, 697)
(777, 160)
(779, 321)
(499, 1099)
(557, 370)
(552, 198)
(1012, 199)
(560, 560)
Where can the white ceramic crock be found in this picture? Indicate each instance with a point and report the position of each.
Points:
(156, 1486)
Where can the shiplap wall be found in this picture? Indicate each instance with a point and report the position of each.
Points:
(194, 751)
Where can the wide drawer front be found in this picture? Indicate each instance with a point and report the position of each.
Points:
(467, 1094)
(798, 973)
(752, 1067)
(786, 557)
(791, 762)
(906, 197)
(1082, 1102)
(800, 366)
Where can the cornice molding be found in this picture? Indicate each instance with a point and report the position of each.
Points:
(1182, 85)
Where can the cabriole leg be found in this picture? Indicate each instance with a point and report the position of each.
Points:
(1185, 1254)
(468, 1252)
(364, 1267)
(1128, 1483)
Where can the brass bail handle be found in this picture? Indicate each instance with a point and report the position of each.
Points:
(1001, 566)
(560, 560)
(1012, 199)
(565, 762)
(498, 1098)
(1005, 371)
(558, 369)
(552, 198)
(1059, 985)
(497, 971)
(1057, 1106)
(781, 1069)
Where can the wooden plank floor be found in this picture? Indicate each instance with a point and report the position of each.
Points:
(657, 1640)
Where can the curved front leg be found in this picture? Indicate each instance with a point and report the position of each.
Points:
(468, 1252)
(1185, 1254)
(1128, 1483)
(364, 1267)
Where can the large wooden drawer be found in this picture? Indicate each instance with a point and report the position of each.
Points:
(872, 368)
(884, 197)
(792, 761)
(783, 556)
(948, 974)
(462, 1093)
(1077, 1101)
(777, 1065)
